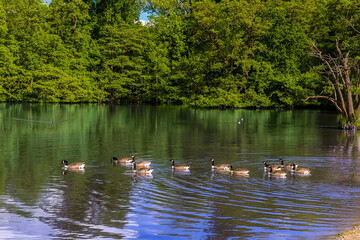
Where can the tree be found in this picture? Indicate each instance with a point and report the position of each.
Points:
(8, 70)
(226, 37)
(286, 46)
(155, 81)
(121, 49)
(343, 88)
(111, 11)
(337, 48)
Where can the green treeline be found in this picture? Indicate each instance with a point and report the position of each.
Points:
(209, 53)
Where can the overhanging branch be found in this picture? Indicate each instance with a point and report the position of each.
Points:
(334, 101)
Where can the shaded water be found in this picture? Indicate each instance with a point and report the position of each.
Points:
(40, 201)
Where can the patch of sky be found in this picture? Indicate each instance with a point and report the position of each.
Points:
(144, 16)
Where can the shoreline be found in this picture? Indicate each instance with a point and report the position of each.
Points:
(352, 234)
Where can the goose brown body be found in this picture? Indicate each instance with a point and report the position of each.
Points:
(278, 173)
(76, 165)
(274, 168)
(220, 167)
(128, 160)
(143, 164)
(179, 167)
(287, 166)
(302, 171)
(141, 170)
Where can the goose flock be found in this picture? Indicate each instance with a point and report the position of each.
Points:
(143, 167)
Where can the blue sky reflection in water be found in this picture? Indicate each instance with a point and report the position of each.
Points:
(38, 200)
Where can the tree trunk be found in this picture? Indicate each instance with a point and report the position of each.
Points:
(339, 73)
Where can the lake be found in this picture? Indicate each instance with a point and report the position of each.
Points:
(39, 200)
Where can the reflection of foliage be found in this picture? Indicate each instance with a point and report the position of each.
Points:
(31, 156)
(154, 127)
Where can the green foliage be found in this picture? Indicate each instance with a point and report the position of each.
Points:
(3, 25)
(114, 11)
(198, 53)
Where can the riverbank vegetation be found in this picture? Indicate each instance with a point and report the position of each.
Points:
(200, 53)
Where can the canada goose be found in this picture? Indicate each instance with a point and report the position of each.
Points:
(274, 167)
(266, 166)
(287, 166)
(76, 165)
(303, 171)
(278, 173)
(220, 167)
(127, 160)
(143, 164)
(141, 170)
(239, 171)
(179, 167)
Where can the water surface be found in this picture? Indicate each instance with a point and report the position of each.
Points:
(38, 200)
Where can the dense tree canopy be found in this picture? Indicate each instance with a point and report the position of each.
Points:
(207, 53)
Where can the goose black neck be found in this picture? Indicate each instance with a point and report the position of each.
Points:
(293, 166)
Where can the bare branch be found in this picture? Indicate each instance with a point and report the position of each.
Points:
(335, 77)
(334, 101)
(335, 69)
(348, 22)
(334, 89)
(320, 96)
(338, 49)
(339, 72)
